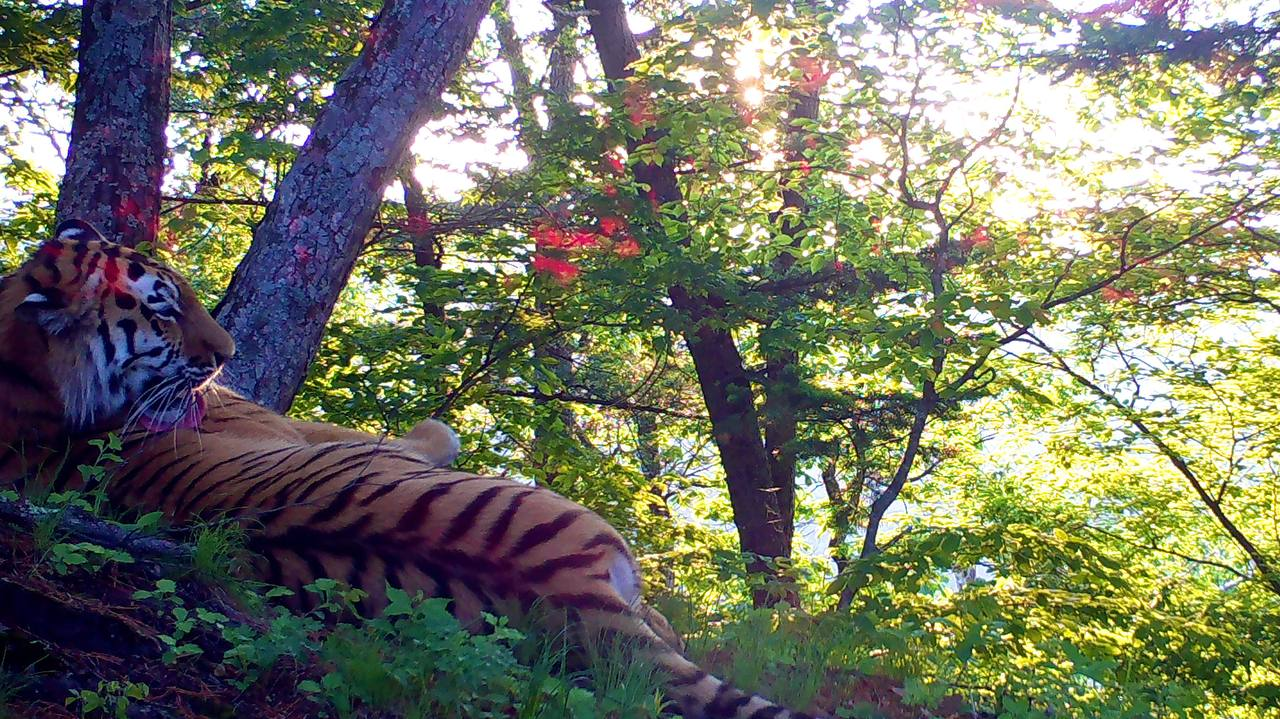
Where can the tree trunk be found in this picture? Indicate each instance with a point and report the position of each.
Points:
(777, 342)
(845, 505)
(649, 455)
(306, 245)
(758, 512)
(564, 56)
(557, 351)
(118, 149)
(428, 250)
(881, 504)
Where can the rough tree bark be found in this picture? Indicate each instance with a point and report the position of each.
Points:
(758, 511)
(304, 249)
(564, 56)
(117, 155)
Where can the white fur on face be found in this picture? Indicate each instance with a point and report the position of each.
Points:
(117, 361)
(72, 234)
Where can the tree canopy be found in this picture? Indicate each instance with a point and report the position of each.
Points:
(952, 324)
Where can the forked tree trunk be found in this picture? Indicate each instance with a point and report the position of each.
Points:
(117, 155)
(782, 384)
(304, 249)
(761, 515)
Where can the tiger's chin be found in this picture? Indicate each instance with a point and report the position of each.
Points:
(187, 416)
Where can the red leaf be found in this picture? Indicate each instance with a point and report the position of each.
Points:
(609, 225)
(639, 105)
(627, 247)
(814, 73)
(582, 238)
(1115, 294)
(976, 238)
(547, 235)
(559, 270)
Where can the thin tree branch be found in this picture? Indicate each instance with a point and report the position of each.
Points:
(890, 493)
(1170, 552)
(1261, 561)
(83, 526)
(606, 402)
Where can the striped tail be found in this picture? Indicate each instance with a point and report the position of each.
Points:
(697, 693)
(700, 695)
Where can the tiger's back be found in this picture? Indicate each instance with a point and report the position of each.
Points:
(372, 513)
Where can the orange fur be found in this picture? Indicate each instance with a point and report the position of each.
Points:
(433, 440)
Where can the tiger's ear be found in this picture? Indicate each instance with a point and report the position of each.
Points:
(49, 310)
(76, 230)
(68, 233)
(435, 440)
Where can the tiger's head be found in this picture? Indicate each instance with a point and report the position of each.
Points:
(113, 336)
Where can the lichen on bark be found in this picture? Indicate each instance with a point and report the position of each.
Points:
(116, 159)
(303, 251)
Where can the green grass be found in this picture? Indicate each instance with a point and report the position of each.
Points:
(11, 683)
(417, 660)
(219, 553)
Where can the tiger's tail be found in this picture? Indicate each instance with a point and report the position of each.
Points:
(696, 693)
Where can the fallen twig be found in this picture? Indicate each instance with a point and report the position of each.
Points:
(84, 526)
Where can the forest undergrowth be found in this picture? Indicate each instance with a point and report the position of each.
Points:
(118, 616)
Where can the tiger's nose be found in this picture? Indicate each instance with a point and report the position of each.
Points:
(213, 357)
(219, 350)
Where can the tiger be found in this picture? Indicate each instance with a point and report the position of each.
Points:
(434, 440)
(96, 337)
